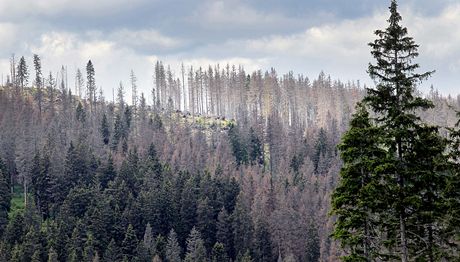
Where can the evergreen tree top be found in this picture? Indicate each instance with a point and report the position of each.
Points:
(394, 71)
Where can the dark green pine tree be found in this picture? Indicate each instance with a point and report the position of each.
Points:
(224, 231)
(128, 116)
(152, 169)
(112, 252)
(80, 113)
(33, 245)
(16, 253)
(42, 183)
(38, 82)
(313, 245)
(246, 257)
(262, 242)
(129, 244)
(5, 199)
(52, 255)
(22, 76)
(90, 84)
(354, 200)
(188, 202)
(89, 252)
(77, 243)
(36, 256)
(452, 194)
(160, 246)
(411, 188)
(105, 132)
(129, 173)
(238, 146)
(256, 156)
(320, 152)
(218, 253)
(242, 226)
(206, 223)
(15, 230)
(107, 173)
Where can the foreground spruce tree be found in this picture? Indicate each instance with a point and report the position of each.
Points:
(390, 201)
(354, 201)
(452, 192)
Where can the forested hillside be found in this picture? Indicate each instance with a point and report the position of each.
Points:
(225, 166)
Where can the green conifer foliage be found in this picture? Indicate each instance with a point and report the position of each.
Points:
(408, 182)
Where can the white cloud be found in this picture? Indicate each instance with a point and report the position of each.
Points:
(9, 34)
(440, 35)
(230, 14)
(145, 39)
(18, 8)
(346, 39)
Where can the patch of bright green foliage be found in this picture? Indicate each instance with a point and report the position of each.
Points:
(17, 201)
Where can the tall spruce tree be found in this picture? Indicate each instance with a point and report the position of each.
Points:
(173, 248)
(90, 84)
(22, 76)
(38, 82)
(411, 172)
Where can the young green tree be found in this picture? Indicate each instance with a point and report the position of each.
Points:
(112, 252)
(256, 155)
(80, 113)
(77, 243)
(196, 252)
(129, 244)
(5, 199)
(206, 223)
(242, 226)
(88, 251)
(173, 248)
(262, 242)
(218, 253)
(42, 183)
(105, 132)
(224, 231)
(52, 255)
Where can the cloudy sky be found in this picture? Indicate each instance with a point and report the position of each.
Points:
(305, 36)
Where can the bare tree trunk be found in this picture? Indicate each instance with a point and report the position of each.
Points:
(402, 223)
(430, 243)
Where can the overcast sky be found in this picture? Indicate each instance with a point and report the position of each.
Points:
(303, 36)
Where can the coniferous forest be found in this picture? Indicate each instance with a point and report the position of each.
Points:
(230, 165)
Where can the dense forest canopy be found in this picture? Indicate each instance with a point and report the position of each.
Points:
(224, 165)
